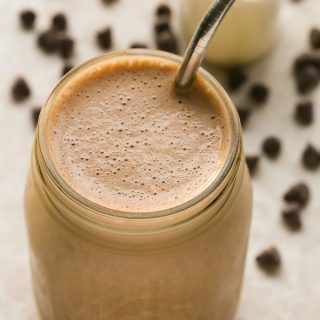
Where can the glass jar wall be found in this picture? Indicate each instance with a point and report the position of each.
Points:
(89, 263)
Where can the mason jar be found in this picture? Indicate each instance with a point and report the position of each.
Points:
(90, 262)
(248, 32)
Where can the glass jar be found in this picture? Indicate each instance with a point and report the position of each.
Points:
(247, 32)
(89, 262)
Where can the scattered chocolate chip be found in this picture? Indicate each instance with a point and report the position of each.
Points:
(315, 38)
(298, 193)
(52, 41)
(108, 2)
(307, 79)
(20, 90)
(259, 93)
(244, 115)
(65, 46)
(306, 60)
(269, 260)
(291, 216)
(311, 158)
(307, 72)
(252, 163)
(48, 41)
(304, 113)
(104, 38)
(66, 68)
(59, 22)
(163, 10)
(167, 41)
(271, 147)
(27, 19)
(138, 45)
(162, 24)
(35, 112)
(236, 77)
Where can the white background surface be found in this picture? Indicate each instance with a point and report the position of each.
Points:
(294, 294)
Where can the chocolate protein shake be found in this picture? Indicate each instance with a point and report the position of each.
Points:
(122, 137)
(138, 201)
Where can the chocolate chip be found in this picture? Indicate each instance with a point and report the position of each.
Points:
(307, 79)
(291, 216)
(307, 72)
(259, 93)
(311, 158)
(252, 163)
(20, 90)
(65, 46)
(138, 45)
(48, 41)
(66, 68)
(236, 77)
(167, 41)
(27, 19)
(108, 2)
(59, 22)
(271, 147)
(52, 41)
(269, 260)
(162, 24)
(304, 113)
(35, 112)
(315, 38)
(244, 115)
(298, 193)
(104, 38)
(305, 60)
(163, 10)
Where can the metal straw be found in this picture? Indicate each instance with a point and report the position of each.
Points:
(199, 43)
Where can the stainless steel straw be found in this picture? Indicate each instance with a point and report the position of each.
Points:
(199, 43)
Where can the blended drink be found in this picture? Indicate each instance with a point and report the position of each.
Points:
(138, 203)
(123, 138)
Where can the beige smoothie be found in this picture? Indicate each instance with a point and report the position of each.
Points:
(247, 33)
(139, 233)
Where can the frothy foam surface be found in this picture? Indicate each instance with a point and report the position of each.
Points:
(121, 137)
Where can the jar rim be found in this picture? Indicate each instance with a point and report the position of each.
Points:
(71, 193)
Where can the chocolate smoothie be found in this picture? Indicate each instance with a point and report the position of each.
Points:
(115, 147)
(122, 138)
